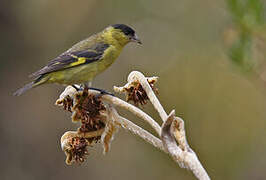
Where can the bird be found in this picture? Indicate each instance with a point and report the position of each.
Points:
(84, 60)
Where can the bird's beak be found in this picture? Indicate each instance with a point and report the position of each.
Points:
(136, 39)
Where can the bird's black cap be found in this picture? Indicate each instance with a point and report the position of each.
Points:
(125, 29)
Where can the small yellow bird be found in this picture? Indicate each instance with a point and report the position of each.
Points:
(86, 59)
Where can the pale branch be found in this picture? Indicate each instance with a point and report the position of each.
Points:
(136, 111)
(172, 133)
(136, 76)
(135, 129)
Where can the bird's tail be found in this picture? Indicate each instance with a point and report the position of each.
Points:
(40, 80)
(24, 89)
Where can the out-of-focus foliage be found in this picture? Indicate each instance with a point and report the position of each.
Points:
(248, 16)
(247, 13)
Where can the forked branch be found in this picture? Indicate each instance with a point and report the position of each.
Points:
(100, 120)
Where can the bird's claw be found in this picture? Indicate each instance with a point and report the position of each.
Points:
(86, 88)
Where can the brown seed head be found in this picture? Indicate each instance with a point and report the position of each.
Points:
(77, 150)
(87, 110)
(136, 93)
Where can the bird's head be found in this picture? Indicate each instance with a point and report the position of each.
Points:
(120, 33)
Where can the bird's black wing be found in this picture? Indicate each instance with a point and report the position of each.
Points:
(74, 59)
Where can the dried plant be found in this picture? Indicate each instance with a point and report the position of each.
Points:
(100, 121)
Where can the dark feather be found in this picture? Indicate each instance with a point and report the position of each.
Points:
(125, 29)
(64, 61)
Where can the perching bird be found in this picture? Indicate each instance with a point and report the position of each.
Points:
(83, 61)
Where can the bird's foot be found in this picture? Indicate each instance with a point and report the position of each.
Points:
(77, 88)
(86, 88)
(102, 92)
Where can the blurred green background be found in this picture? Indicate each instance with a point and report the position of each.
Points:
(209, 55)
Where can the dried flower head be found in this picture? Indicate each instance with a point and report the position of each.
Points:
(78, 149)
(67, 103)
(66, 98)
(135, 92)
(87, 110)
(75, 145)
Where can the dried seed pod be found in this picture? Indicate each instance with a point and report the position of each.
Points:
(76, 145)
(87, 110)
(135, 92)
